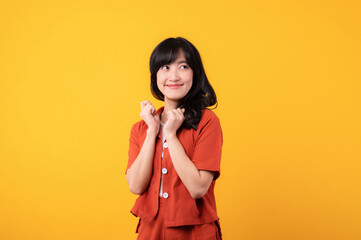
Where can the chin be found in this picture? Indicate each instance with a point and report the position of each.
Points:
(174, 98)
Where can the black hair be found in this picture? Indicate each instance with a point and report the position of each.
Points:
(201, 95)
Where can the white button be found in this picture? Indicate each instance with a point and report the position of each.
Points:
(165, 195)
(165, 145)
(164, 170)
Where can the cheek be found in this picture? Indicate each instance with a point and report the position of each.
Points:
(160, 87)
(159, 81)
(190, 79)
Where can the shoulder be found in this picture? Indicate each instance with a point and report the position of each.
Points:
(208, 118)
(208, 114)
(138, 126)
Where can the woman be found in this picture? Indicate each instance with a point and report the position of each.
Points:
(175, 151)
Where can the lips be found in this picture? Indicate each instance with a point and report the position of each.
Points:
(174, 85)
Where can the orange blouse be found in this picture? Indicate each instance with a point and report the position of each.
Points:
(203, 146)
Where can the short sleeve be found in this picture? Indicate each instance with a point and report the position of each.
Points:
(208, 146)
(133, 145)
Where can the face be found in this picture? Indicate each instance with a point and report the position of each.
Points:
(175, 80)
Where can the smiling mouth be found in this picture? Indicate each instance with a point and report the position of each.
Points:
(174, 85)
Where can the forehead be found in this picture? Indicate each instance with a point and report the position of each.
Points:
(174, 56)
(180, 57)
(180, 54)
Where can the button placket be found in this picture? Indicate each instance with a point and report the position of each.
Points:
(160, 168)
(164, 169)
(164, 172)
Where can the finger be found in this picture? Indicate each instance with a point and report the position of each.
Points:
(171, 115)
(153, 110)
(147, 109)
(179, 113)
(144, 103)
(181, 110)
(145, 113)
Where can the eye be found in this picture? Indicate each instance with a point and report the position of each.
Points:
(185, 66)
(163, 67)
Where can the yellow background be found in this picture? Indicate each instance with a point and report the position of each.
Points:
(287, 76)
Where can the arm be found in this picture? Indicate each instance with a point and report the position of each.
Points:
(196, 181)
(139, 174)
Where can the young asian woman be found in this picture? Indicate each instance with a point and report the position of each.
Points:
(175, 151)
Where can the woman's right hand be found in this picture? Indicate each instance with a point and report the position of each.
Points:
(140, 172)
(150, 116)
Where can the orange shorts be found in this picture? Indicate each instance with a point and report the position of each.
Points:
(155, 230)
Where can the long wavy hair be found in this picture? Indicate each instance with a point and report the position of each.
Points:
(201, 95)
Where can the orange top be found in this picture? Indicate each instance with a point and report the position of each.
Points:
(203, 146)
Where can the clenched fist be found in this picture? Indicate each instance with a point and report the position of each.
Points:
(150, 117)
(175, 118)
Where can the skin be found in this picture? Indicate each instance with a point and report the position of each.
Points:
(174, 81)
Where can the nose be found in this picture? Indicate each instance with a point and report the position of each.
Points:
(174, 75)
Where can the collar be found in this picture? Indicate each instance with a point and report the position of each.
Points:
(159, 112)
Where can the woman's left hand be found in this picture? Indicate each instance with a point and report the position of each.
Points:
(175, 120)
